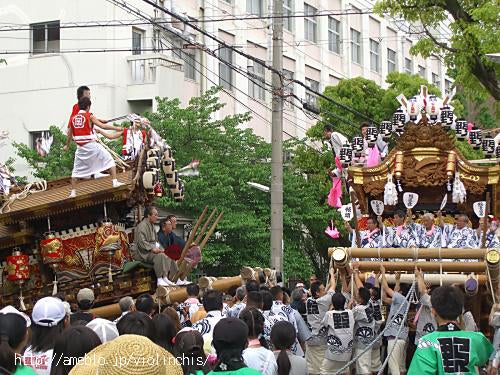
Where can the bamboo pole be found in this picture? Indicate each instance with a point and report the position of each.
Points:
(476, 267)
(139, 169)
(410, 253)
(352, 195)
(191, 235)
(204, 228)
(485, 220)
(211, 230)
(433, 279)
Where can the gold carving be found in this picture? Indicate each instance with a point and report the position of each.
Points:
(424, 136)
(125, 284)
(106, 288)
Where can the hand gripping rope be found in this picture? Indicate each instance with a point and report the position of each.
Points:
(369, 347)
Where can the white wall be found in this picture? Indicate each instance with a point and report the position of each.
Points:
(39, 91)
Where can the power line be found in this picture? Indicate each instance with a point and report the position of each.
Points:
(90, 50)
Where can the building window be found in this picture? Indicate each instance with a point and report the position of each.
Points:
(447, 87)
(356, 46)
(254, 7)
(312, 98)
(391, 60)
(435, 80)
(45, 37)
(189, 57)
(421, 71)
(256, 85)
(288, 90)
(137, 36)
(287, 12)
(408, 66)
(310, 23)
(333, 35)
(374, 55)
(226, 72)
(160, 13)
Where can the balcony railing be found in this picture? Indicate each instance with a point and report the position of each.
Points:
(143, 68)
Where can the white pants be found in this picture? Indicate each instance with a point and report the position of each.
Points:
(90, 159)
(376, 362)
(314, 358)
(329, 367)
(364, 363)
(397, 360)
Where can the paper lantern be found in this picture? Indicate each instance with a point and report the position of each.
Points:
(149, 180)
(462, 129)
(446, 117)
(154, 152)
(172, 179)
(398, 165)
(385, 129)
(413, 108)
(18, 267)
(51, 249)
(167, 154)
(345, 155)
(178, 191)
(497, 152)
(152, 162)
(398, 122)
(357, 146)
(476, 138)
(432, 108)
(488, 146)
(371, 135)
(168, 166)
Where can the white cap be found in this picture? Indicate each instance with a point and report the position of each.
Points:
(48, 312)
(105, 329)
(12, 310)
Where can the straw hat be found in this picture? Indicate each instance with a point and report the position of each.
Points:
(128, 354)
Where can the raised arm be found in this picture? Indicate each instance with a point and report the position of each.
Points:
(422, 289)
(440, 219)
(332, 283)
(385, 286)
(357, 280)
(115, 135)
(397, 276)
(103, 125)
(348, 227)
(343, 279)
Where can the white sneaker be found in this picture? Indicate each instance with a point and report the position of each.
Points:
(100, 175)
(182, 282)
(163, 281)
(117, 183)
(72, 194)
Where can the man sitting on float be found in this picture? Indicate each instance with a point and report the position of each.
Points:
(401, 234)
(458, 236)
(492, 240)
(427, 234)
(370, 238)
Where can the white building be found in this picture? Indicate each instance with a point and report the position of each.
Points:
(52, 47)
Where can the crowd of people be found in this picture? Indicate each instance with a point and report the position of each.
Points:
(406, 233)
(338, 327)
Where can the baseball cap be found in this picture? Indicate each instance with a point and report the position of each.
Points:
(12, 310)
(230, 333)
(48, 312)
(105, 329)
(85, 294)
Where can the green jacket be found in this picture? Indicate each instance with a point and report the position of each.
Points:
(450, 351)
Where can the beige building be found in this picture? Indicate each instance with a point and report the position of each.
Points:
(53, 47)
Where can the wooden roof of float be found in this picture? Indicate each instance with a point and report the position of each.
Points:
(55, 199)
(424, 150)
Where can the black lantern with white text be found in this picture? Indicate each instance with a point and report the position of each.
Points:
(462, 129)
(345, 155)
(398, 122)
(488, 146)
(357, 146)
(371, 135)
(385, 129)
(446, 117)
(476, 138)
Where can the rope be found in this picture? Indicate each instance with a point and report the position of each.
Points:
(440, 268)
(38, 185)
(411, 292)
(491, 284)
(369, 347)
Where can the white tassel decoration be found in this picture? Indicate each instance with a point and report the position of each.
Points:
(459, 193)
(22, 306)
(54, 288)
(448, 185)
(390, 193)
(110, 274)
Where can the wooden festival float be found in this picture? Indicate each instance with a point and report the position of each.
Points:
(425, 160)
(50, 243)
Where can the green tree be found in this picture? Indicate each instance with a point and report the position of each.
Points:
(474, 33)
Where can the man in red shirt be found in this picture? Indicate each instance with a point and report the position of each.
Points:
(82, 91)
(90, 157)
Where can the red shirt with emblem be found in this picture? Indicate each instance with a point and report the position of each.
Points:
(74, 111)
(82, 128)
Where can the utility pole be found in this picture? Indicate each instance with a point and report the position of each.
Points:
(277, 142)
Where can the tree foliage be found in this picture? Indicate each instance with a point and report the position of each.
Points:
(474, 33)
